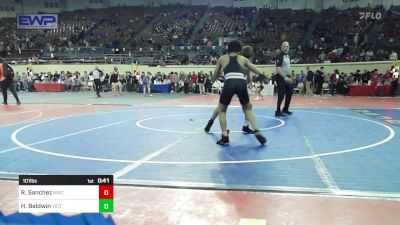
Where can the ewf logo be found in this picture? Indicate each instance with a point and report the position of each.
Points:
(37, 21)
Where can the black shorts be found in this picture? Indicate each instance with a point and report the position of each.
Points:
(232, 87)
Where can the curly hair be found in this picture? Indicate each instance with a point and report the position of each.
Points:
(235, 46)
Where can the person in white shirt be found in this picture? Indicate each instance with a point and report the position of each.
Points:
(393, 56)
(395, 81)
(96, 73)
(115, 80)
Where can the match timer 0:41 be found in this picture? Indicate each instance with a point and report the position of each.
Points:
(66, 193)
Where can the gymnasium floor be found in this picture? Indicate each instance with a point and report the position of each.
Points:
(335, 161)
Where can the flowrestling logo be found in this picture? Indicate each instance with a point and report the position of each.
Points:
(370, 15)
(37, 21)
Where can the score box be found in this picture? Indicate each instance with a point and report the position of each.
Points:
(106, 192)
(106, 198)
(66, 193)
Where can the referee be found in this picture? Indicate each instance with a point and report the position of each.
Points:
(285, 87)
(97, 83)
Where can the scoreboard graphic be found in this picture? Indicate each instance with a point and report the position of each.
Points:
(66, 193)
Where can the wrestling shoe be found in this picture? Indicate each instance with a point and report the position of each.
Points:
(260, 137)
(247, 130)
(224, 140)
(208, 127)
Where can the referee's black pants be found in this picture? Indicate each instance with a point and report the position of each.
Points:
(97, 84)
(285, 91)
(395, 85)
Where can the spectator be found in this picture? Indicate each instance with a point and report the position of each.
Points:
(393, 56)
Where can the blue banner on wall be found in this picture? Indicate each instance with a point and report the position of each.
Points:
(37, 21)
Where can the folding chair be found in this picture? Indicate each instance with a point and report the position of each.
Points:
(299, 89)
